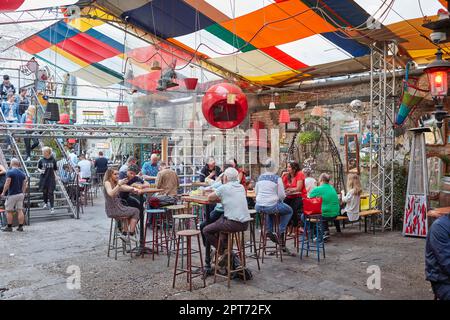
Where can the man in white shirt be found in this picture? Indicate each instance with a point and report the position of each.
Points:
(85, 168)
(269, 200)
(73, 158)
(236, 216)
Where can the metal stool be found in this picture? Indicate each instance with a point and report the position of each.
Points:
(160, 225)
(233, 238)
(114, 234)
(179, 222)
(309, 234)
(188, 234)
(263, 236)
(253, 252)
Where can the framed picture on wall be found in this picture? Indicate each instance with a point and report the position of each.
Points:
(293, 125)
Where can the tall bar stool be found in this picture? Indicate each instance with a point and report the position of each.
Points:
(313, 223)
(160, 236)
(253, 252)
(179, 222)
(233, 238)
(188, 234)
(114, 235)
(263, 236)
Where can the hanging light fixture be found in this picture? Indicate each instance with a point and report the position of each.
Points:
(317, 112)
(284, 116)
(122, 114)
(437, 72)
(156, 65)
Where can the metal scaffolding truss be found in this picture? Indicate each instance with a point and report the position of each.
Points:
(382, 116)
(86, 131)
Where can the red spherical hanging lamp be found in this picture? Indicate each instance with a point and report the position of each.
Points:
(122, 114)
(284, 116)
(224, 105)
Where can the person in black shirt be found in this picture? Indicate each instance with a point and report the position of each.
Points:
(210, 171)
(133, 180)
(47, 182)
(23, 101)
(6, 87)
(100, 165)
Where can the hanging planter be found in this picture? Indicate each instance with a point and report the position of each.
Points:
(191, 83)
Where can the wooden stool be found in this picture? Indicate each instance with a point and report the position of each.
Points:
(263, 236)
(159, 230)
(254, 252)
(179, 222)
(309, 234)
(188, 234)
(233, 238)
(114, 235)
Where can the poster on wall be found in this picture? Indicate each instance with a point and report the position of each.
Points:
(415, 218)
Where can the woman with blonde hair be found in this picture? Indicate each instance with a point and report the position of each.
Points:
(29, 117)
(117, 209)
(352, 198)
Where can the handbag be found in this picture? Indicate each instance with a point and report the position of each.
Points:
(312, 206)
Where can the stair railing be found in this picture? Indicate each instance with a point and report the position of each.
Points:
(74, 210)
(19, 157)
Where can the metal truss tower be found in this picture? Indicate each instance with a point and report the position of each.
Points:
(382, 116)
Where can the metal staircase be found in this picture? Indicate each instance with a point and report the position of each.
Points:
(34, 199)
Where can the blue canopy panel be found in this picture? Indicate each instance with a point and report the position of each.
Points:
(341, 40)
(58, 32)
(170, 18)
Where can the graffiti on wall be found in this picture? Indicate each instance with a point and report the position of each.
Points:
(415, 218)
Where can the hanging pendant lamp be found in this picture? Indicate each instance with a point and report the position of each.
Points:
(122, 114)
(284, 116)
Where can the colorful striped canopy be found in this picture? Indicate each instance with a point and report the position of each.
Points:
(270, 42)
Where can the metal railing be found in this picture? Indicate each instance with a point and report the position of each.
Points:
(74, 210)
(18, 155)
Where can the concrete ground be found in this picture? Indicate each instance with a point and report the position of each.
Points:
(33, 265)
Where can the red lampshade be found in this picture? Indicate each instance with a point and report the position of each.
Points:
(122, 114)
(190, 83)
(284, 116)
(72, 140)
(64, 118)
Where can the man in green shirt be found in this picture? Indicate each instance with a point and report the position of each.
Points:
(330, 203)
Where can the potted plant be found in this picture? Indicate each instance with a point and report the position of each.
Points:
(308, 137)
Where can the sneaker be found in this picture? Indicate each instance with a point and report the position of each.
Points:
(20, 229)
(45, 206)
(52, 210)
(223, 260)
(28, 159)
(273, 237)
(7, 229)
(133, 238)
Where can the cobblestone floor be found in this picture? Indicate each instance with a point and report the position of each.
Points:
(33, 265)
